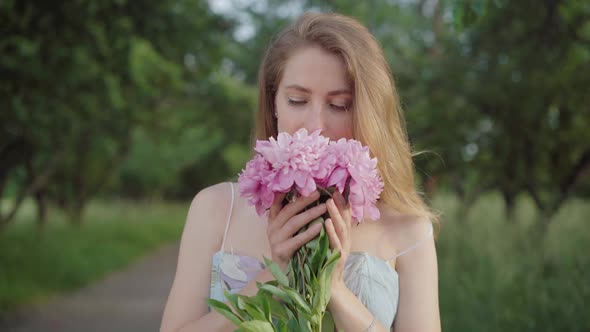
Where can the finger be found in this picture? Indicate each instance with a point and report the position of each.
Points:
(332, 236)
(344, 208)
(276, 206)
(337, 221)
(293, 208)
(300, 239)
(294, 224)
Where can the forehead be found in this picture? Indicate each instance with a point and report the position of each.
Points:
(315, 69)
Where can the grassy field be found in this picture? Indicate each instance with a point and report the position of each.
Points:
(36, 266)
(495, 277)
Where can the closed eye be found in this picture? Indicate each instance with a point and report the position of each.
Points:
(340, 108)
(335, 107)
(296, 102)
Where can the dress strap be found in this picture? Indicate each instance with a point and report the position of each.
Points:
(415, 245)
(231, 209)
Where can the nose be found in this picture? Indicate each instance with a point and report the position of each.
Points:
(314, 119)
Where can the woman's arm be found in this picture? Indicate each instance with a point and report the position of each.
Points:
(212, 321)
(417, 269)
(418, 308)
(350, 314)
(186, 309)
(347, 310)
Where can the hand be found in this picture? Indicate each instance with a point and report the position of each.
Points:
(284, 223)
(338, 228)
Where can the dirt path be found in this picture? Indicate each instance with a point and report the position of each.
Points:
(127, 301)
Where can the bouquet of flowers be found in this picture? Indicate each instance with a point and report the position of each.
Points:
(298, 165)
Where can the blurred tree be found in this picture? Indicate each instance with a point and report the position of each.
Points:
(78, 77)
(265, 19)
(533, 72)
(229, 117)
(199, 143)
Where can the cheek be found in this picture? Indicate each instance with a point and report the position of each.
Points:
(287, 121)
(338, 126)
(344, 126)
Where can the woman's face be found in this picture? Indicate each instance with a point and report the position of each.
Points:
(315, 94)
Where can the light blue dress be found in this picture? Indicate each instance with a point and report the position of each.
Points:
(374, 282)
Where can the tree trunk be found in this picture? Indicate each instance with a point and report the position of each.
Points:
(41, 201)
(75, 213)
(509, 206)
(36, 181)
(545, 217)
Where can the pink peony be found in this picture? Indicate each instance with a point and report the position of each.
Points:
(365, 185)
(304, 161)
(353, 163)
(294, 160)
(254, 186)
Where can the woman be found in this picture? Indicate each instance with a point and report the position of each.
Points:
(327, 72)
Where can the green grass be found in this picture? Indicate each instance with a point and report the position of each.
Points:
(36, 266)
(495, 277)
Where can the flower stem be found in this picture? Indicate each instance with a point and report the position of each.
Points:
(302, 280)
(325, 191)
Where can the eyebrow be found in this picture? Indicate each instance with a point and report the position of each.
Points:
(331, 93)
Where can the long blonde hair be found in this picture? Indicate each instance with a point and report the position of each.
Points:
(377, 114)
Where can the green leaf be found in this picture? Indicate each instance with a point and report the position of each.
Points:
(332, 259)
(256, 326)
(321, 254)
(298, 271)
(298, 300)
(304, 325)
(264, 299)
(293, 324)
(324, 293)
(307, 272)
(252, 306)
(226, 311)
(328, 323)
(278, 310)
(325, 278)
(291, 273)
(277, 272)
(233, 300)
(281, 326)
(277, 292)
(312, 244)
(316, 302)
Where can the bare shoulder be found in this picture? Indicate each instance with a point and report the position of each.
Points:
(209, 207)
(201, 237)
(205, 221)
(402, 230)
(217, 194)
(416, 265)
